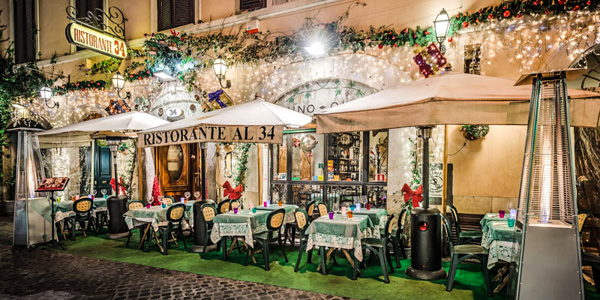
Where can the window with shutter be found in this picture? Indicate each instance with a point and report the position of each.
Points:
(173, 13)
(24, 30)
(85, 6)
(252, 4)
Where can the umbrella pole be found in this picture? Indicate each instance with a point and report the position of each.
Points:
(425, 134)
(445, 171)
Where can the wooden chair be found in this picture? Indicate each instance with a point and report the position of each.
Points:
(302, 219)
(168, 200)
(209, 211)
(310, 210)
(379, 247)
(323, 208)
(274, 224)
(172, 228)
(464, 236)
(224, 207)
(131, 205)
(83, 214)
(460, 253)
(400, 233)
(234, 204)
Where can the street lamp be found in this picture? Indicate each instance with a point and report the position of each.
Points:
(316, 49)
(220, 67)
(118, 82)
(441, 25)
(46, 94)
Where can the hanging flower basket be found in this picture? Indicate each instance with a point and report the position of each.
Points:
(474, 132)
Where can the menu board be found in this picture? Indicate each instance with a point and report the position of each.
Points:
(53, 184)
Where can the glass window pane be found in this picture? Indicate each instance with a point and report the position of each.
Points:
(279, 160)
(307, 156)
(344, 162)
(378, 156)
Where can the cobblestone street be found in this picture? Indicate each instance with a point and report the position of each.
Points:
(46, 274)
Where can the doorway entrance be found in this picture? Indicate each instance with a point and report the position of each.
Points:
(180, 169)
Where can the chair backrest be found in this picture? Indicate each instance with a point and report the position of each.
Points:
(310, 208)
(401, 217)
(224, 207)
(391, 225)
(234, 203)
(454, 213)
(83, 205)
(275, 219)
(135, 204)
(581, 219)
(168, 200)
(301, 219)
(209, 211)
(323, 208)
(448, 229)
(175, 213)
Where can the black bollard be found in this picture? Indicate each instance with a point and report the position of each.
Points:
(117, 206)
(200, 226)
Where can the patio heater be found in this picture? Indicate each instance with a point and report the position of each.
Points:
(32, 214)
(426, 231)
(116, 204)
(546, 262)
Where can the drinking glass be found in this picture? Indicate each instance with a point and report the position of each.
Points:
(103, 191)
(72, 194)
(187, 195)
(148, 201)
(501, 213)
(58, 196)
(235, 210)
(94, 192)
(197, 194)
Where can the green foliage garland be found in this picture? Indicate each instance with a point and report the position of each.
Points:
(80, 86)
(518, 9)
(242, 165)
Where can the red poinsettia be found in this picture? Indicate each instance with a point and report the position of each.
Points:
(450, 39)
(490, 16)
(465, 24)
(506, 14)
(588, 3)
(562, 2)
(576, 8)
(380, 46)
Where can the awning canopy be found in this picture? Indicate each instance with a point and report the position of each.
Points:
(256, 121)
(116, 125)
(449, 99)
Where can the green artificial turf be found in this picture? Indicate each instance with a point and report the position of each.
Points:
(469, 282)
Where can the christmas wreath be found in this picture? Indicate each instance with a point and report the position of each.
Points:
(473, 132)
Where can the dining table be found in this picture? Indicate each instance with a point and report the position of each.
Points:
(340, 232)
(289, 211)
(378, 216)
(64, 208)
(241, 224)
(498, 239)
(152, 217)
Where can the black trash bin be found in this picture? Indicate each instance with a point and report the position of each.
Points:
(117, 206)
(200, 226)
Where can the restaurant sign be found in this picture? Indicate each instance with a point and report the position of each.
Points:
(96, 40)
(211, 133)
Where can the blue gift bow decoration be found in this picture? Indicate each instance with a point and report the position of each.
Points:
(216, 96)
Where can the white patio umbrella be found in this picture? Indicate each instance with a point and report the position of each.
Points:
(449, 99)
(257, 121)
(116, 126)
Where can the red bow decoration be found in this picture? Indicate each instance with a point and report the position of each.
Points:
(232, 193)
(416, 195)
(121, 188)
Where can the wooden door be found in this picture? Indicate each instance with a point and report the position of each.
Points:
(102, 170)
(177, 167)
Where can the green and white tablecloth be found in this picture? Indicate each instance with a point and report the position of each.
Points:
(289, 211)
(245, 223)
(497, 238)
(340, 232)
(377, 215)
(155, 215)
(64, 208)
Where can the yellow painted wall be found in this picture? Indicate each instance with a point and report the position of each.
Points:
(487, 172)
(52, 29)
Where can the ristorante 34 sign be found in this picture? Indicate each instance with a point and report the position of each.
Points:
(96, 40)
(221, 134)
